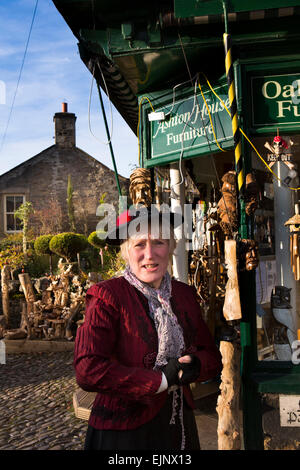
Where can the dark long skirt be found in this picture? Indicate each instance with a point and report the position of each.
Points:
(158, 434)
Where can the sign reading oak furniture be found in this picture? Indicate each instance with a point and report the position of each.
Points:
(187, 130)
(276, 100)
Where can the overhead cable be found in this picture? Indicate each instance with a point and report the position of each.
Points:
(19, 78)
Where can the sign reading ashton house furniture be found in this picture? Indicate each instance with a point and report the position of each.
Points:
(276, 100)
(187, 127)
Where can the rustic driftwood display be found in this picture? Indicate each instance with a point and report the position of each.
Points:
(58, 312)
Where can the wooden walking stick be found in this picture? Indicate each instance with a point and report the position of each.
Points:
(228, 400)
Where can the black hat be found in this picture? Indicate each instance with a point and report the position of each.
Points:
(139, 216)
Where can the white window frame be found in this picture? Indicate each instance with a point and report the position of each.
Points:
(5, 212)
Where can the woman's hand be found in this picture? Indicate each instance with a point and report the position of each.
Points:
(190, 369)
(182, 371)
(184, 360)
(171, 371)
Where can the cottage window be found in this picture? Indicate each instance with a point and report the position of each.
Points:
(11, 204)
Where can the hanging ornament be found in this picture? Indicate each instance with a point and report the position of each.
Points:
(294, 225)
(281, 152)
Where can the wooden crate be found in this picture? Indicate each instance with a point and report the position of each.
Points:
(266, 354)
(83, 402)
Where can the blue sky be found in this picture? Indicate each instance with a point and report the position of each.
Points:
(53, 73)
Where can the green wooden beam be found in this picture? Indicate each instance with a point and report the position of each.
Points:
(188, 8)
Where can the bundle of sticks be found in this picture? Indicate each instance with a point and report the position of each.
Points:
(294, 225)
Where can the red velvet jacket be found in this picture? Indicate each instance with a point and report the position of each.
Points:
(116, 347)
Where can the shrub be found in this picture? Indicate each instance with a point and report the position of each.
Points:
(38, 265)
(15, 258)
(95, 241)
(68, 244)
(115, 264)
(23, 213)
(41, 245)
(14, 240)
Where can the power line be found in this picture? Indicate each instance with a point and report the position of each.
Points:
(19, 78)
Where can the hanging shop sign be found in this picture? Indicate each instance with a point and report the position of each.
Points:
(276, 100)
(188, 130)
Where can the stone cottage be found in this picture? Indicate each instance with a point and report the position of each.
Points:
(43, 180)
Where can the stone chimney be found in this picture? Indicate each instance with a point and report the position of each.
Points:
(64, 123)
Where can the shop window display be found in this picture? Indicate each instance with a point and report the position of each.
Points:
(276, 232)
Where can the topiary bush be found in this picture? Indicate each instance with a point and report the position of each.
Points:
(41, 245)
(95, 241)
(68, 244)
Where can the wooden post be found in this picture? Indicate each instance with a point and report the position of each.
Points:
(228, 400)
(25, 323)
(180, 255)
(28, 291)
(5, 277)
(74, 310)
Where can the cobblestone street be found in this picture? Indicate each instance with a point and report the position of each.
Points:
(36, 406)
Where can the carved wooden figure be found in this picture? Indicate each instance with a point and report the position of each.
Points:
(28, 291)
(294, 225)
(227, 205)
(140, 187)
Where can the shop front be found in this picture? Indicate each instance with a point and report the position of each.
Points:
(270, 366)
(189, 129)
